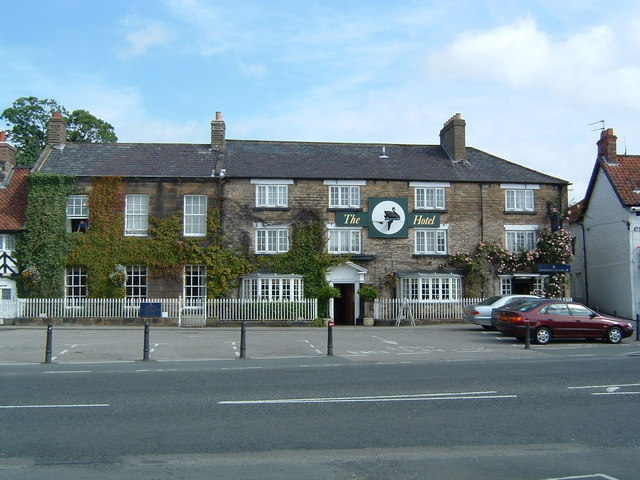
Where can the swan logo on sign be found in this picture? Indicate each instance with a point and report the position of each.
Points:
(388, 218)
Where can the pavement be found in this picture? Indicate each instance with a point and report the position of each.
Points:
(404, 344)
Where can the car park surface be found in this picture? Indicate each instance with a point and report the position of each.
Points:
(546, 319)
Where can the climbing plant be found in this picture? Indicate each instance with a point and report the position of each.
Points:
(42, 249)
(307, 257)
(103, 247)
(552, 248)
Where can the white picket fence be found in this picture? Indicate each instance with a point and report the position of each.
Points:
(187, 313)
(391, 308)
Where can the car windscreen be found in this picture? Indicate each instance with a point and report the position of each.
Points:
(524, 306)
(490, 300)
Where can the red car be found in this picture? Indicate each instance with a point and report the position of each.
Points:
(549, 319)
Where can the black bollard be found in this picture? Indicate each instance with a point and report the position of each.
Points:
(145, 350)
(527, 336)
(330, 339)
(47, 352)
(243, 341)
(637, 327)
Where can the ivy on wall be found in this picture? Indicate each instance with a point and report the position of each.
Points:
(307, 257)
(164, 251)
(46, 248)
(42, 249)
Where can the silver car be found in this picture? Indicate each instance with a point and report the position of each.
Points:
(481, 313)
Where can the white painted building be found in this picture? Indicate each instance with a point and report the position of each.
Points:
(606, 269)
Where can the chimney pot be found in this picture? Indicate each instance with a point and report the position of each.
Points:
(7, 158)
(607, 146)
(56, 130)
(453, 138)
(218, 131)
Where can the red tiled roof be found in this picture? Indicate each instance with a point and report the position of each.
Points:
(624, 176)
(13, 201)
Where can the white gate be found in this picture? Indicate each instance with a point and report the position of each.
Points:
(192, 312)
(9, 305)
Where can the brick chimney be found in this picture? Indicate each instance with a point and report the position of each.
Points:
(453, 139)
(56, 130)
(218, 133)
(7, 158)
(607, 149)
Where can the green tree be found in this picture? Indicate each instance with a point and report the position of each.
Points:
(84, 127)
(28, 118)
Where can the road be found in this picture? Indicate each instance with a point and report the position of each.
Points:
(528, 418)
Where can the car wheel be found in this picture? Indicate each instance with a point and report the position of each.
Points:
(543, 336)
(488, 327)
(614, 335)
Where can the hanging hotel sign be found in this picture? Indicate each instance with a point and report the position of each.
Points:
(388, 218)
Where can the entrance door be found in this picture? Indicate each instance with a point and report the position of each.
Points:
(344, 307)
(521, 286)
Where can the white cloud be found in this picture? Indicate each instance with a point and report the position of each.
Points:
(145, 37)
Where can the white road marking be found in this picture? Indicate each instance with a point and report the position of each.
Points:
(616, 393)
(594, 476)
(606, 386)
(89, 405)
(70, 371)
(381, 398)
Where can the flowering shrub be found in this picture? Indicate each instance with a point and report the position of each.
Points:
(31, 274)
(119, 275)
(552, 248)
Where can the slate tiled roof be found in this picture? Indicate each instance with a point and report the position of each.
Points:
(624, 176)
(13, 201)
(276, 159)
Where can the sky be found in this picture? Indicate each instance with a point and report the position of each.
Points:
(535, 80)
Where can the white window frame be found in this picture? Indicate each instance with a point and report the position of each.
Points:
(77, 211)
(518, 238)
(506, 284)
(519, 197)
(195, 215)
(136, 286)
(271, 239)
(75, 285)
(194, 285)
(431, 241)
(272, 193)
(136, 217)
(345, 193)
(430, 195)
(7, 242)
(431, 288)
(275, 288)
(344, 240)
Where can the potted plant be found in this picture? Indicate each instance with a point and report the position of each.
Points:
(368, 293)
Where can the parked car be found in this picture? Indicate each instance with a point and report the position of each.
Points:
(507, 306)
(481, 313)
(549, 318)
